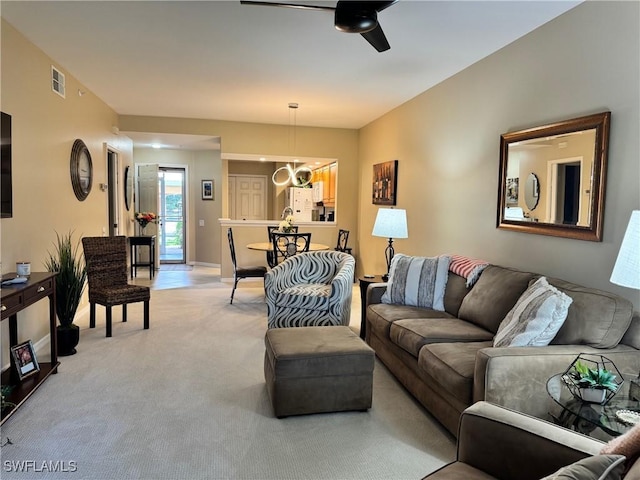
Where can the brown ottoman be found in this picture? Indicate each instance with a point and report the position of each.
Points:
(317, 369)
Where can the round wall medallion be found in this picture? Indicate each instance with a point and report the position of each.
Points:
(81, 170)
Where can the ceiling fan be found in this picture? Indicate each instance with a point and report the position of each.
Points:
(350, 17)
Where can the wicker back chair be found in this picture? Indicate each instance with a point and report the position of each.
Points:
(106, 260)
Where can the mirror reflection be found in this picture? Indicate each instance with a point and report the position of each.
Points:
(262, 190)
(552, 178)
(531, 192)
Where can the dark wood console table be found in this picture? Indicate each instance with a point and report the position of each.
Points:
(143, 240)
(15, 298)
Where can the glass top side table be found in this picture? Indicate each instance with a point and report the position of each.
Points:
(599, 421)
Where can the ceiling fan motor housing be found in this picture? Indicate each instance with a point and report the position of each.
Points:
(355, 17)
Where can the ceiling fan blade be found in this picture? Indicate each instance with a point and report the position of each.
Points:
(289, 5)
(380, 5)
(377, 39)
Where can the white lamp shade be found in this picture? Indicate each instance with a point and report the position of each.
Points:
(391, 223)
(626, 271)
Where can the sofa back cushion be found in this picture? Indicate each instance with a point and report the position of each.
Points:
(596, 318)
(495, 293)
(455, 293)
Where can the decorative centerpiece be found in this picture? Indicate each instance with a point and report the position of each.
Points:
(592, 378)
(144, 219)
(286, 225)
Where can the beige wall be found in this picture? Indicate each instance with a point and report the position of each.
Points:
(447, 144)
(44, 129)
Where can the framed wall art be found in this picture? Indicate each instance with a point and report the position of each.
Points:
(385, 183)
(207, 189)
(24, 358)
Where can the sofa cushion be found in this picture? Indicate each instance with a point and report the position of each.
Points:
(412, 334)
(309, 296)
(535, 318)
(417, 281)
(596, 318)
(493, 295)
(381, 316)
(597, 467)
(452, 365)
(455, 293)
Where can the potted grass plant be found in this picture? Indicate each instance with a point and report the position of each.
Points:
(71, 278)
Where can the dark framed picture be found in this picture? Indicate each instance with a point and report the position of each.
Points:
(24, 358)
(207, 189)
(385, 183)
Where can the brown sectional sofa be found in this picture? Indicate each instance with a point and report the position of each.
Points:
(447, 361)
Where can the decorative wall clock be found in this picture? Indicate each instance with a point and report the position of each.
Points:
(81, 170)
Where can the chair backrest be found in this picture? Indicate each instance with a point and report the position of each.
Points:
(286, 245)
(276, 228)
(232, 249)
(343, 238)
(106, 260)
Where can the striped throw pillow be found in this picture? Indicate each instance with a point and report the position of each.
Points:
(535, 318)
(417, 281)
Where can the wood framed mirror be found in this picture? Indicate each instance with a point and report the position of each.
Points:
(568, 160)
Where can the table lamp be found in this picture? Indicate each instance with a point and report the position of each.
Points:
(626, 271)
(390, 223)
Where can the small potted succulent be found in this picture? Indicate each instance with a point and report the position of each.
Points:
(593, 380)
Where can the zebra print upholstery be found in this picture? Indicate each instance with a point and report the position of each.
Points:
(310, 289)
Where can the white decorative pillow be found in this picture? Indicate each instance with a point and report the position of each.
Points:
(535, 318)
(417, 281)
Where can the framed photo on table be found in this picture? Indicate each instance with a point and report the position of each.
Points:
(24, 358)
(385, 183)
(207, 189)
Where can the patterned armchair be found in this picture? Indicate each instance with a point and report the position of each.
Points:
(310, 289)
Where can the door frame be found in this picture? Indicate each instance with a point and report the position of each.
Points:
(185, 204)
(115, 192)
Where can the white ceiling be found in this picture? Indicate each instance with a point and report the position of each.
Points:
(226, 61)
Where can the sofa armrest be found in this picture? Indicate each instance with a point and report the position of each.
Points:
(510, 445)
(516, 377)
(375, 292)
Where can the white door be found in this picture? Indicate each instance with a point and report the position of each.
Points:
(248, 197)
(147, 198)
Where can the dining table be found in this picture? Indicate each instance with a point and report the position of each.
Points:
(268, 246)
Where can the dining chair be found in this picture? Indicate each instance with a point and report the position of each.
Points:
(272, 262)
(343, 238)
(286, 245)
(106, 260)
(241, 272)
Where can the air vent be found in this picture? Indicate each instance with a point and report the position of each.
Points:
(57, 81)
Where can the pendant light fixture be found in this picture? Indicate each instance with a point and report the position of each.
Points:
(298, 177)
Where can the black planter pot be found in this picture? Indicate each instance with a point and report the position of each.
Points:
(68, 338)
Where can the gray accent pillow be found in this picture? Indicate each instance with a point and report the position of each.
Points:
(598, 467)
(417, 281)
(535, 318)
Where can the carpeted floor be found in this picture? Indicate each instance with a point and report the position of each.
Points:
(186, 400)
